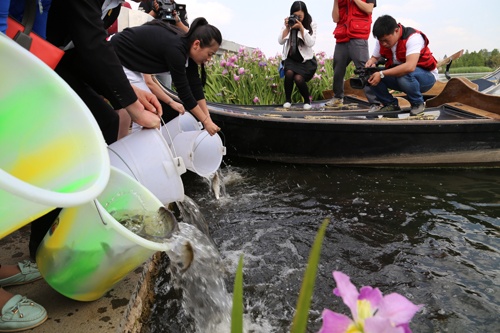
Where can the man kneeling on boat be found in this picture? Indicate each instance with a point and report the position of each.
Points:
(410, 67)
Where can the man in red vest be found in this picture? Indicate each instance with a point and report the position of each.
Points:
(354, 19)
(410, 67)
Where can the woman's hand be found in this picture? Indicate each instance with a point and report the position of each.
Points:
(143, 117)
(148, 100)
(210, 126)
(177, 106)
(146, 111)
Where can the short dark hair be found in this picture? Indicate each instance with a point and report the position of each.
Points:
(384, 25)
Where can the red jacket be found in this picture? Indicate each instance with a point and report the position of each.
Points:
(353, 22)
(426, 59)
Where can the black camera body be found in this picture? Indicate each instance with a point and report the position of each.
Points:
(166, 10)
(292, 20)
(363, 74)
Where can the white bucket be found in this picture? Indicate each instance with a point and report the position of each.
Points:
(146, 157)
(182, 123)
(53, 152)
(201, 152)
(86, 251)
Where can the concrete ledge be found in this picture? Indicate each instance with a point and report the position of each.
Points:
(120, 310)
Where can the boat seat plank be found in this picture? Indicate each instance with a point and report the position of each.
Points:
(476, 111)
(447, 60)
(460, 90)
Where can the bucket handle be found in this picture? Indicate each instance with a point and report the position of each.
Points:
(124, 162)
(99, 211)
(169, 136)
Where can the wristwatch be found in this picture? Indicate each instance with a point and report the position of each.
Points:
(382, 74)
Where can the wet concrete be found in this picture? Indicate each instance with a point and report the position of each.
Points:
(119, 310)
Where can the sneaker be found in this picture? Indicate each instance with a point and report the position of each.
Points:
(390, 107)
(374, 108)
(287, 105)
(21, 313)
(29, 273)
(335, 102)
(416, 109)
(307, 106)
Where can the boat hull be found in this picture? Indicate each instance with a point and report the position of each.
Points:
(360, 142)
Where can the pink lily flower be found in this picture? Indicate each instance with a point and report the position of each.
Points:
(371, 311)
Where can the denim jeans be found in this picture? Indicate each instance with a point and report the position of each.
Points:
(412, 84)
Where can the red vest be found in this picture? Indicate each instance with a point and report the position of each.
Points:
(426, 59)
(353, 22)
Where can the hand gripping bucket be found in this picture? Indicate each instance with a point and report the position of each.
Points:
(182, 123)
(146, 157)
(201, 152)
(86, 252)
(53, 153)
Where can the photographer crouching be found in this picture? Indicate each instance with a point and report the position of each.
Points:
(410, 67)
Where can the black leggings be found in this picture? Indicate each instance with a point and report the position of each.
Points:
(290, 78)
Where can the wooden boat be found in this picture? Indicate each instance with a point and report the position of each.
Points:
(460, 127)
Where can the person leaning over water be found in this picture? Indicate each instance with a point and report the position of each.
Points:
(410, 67)
(354, 19)
(92, 69)
(158, 46)
(300, 64)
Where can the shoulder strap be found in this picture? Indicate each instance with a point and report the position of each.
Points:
(22, 37)
(29, 15)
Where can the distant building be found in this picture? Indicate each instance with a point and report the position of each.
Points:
(232, 47)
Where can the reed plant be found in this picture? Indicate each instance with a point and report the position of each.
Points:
(251, 78)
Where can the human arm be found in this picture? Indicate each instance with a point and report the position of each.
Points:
(309, 39)
(150, 7)
(161, 95)
(335, 11)
(178, 22)
(285, 31)
(81, 22)
(146, 110)
(364, 6)
(203, 115)
(413, 47)
(190, 90)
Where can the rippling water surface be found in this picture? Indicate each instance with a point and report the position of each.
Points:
(431, 235)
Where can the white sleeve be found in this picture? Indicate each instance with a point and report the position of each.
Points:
(414, 44)
(376, 50)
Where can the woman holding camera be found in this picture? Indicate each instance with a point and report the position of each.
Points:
(298, 36)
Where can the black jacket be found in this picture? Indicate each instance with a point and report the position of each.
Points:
(93, 59)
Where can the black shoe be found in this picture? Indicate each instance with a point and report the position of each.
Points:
(390, 107)
(417, 108)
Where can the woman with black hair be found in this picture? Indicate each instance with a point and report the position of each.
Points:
(157, 47)
(298, 35)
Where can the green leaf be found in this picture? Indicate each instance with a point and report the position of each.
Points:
(299, 324)
(237, 313)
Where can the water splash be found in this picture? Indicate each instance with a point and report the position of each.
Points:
(204, 295)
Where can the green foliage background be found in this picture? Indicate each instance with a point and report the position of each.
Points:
(250, 78)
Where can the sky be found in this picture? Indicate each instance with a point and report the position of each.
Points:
(449, 25)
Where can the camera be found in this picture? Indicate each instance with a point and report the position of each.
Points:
(166, 10)
(292, 20)
(363, 74)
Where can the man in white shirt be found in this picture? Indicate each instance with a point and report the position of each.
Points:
(410, 67)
